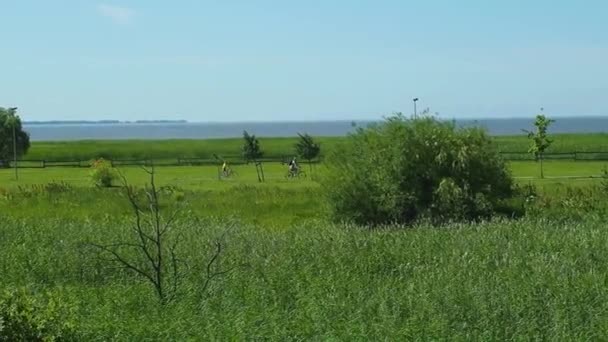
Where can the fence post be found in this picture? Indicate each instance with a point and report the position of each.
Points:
(44, 164)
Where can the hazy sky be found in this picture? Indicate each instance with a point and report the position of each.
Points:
(301, 60)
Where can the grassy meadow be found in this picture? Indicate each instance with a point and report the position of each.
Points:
(161, 149)
(206, 177)
(491, 281)
(272, 147)
(287, 273)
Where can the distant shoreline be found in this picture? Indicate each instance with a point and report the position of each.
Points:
(62, 130)
(358, 121)
(100, 122)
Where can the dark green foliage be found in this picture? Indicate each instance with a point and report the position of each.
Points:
(253, 152)
(8, 120)
(307, 148)
(27, 316)
(251, 147)
(404, 170)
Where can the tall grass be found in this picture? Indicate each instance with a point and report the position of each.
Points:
(492, 281)
(160, 149)
(296, 276)
(273, 147)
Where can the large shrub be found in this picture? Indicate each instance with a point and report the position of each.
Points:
(404, 170)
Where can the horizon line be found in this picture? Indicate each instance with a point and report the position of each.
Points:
(182, 121)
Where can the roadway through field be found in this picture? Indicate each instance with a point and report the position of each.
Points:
(206, 177)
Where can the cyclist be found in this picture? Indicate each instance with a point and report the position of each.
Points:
(293, 166)
(225, 169)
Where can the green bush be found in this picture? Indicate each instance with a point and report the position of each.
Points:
(27, 317)
(404, 170)
(103, 174)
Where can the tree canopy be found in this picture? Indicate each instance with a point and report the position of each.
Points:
(251, 147)
(307, 148)
(9, 120)
(253, 152)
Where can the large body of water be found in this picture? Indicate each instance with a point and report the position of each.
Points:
(54, 132)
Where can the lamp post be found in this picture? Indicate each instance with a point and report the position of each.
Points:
(14, 119)
(415, 112)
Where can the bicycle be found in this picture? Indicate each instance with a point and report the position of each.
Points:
(228, 173)
(293, 174)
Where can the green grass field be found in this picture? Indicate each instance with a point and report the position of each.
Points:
(161, 149)
(206, 177)
(294, 275)
(190, 177)
(273, 147)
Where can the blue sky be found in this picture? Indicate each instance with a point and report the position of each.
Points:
(302, 60)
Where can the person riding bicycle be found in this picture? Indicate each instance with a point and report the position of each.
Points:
(293, 166)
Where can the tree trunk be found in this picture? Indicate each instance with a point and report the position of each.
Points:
(310, 167)
(257, 170)
(262, 172)
(542, 175)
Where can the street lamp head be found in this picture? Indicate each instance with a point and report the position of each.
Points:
(415, 99)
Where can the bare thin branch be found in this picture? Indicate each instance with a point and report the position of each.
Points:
(124, 262)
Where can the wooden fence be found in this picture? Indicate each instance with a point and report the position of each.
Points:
(41, 164)
(511, 156)
(576, 156)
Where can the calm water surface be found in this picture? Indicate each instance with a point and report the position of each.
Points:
(45, 132)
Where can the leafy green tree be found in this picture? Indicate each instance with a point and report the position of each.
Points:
(252, 153)
(307, 149)
(540, 141)
(9, 121)
(406, 170)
